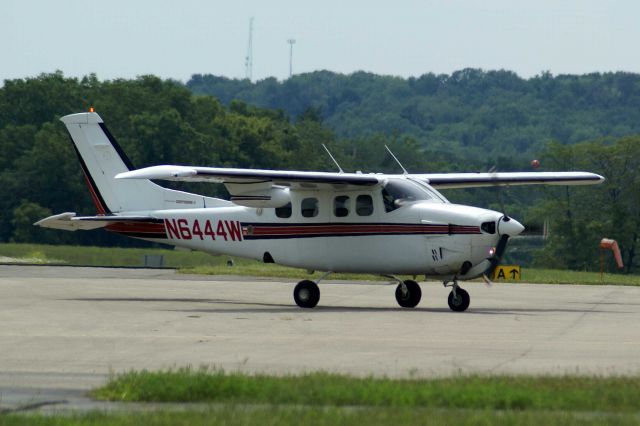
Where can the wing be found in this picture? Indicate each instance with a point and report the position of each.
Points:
(230, 176)
(306, 179)
(474, 180)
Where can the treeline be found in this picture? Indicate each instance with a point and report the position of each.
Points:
(162, 122)
(471, 113)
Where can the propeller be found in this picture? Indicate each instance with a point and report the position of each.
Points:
(506, 228)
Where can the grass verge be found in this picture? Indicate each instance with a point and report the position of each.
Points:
(102, 256)
(529, 275)
(279, 415)
(554, 276)
(258, 269)
(568, 393)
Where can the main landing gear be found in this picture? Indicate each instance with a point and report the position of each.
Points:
(408, 293)
(458, 298)
(307, 294)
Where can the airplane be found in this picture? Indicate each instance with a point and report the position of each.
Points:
(384, 224)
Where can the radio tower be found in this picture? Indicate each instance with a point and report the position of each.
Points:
(248, 60)
(291, 42)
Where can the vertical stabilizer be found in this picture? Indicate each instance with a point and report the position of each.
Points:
(102, 158)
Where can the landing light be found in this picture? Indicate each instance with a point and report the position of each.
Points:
(492, 251)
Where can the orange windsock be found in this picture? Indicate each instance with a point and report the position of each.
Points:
(606, 243)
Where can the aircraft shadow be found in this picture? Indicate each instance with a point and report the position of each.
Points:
(263, 307)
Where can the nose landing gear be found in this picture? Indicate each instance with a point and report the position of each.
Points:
(459, 299)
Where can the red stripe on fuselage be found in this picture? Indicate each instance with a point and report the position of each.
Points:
(364, 229)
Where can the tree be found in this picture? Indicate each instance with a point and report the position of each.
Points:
(580, 217)
(23, 218)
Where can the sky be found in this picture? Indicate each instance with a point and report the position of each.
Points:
(127, 38)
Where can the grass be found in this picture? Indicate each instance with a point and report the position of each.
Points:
(328, 399)
(554, 276)
(567, 393)
(288, 415)
(258, 269)
(529, 275)
(103, 256)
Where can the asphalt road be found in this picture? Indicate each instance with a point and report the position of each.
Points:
(63, 330)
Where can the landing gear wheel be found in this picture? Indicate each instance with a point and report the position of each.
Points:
(306, 294)
(410, 297)
(460, 301)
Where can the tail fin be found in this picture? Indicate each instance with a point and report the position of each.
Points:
(102, 158)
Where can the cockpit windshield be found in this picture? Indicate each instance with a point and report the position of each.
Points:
(398, 192)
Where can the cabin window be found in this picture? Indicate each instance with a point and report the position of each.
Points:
(284, 211)
(309, 207)
(364, 205)
(341, 206)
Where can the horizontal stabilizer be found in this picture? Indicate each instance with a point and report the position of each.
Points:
(70, 222)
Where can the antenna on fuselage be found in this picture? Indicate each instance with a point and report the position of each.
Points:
(397, 161)
(334, 160)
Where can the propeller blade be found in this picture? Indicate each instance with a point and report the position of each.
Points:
(501, 247)
(497, 257)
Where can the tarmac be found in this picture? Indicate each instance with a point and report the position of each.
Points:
(65, 329)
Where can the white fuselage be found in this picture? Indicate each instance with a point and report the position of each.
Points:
(430, 237)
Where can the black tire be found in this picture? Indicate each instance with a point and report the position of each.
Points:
(412, 297)
(460, 303)
(306, 294)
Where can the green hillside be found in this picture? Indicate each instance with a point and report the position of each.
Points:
(471, 113)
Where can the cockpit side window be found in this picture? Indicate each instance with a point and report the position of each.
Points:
(388, 199)
(489, 227)
(397, 192)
